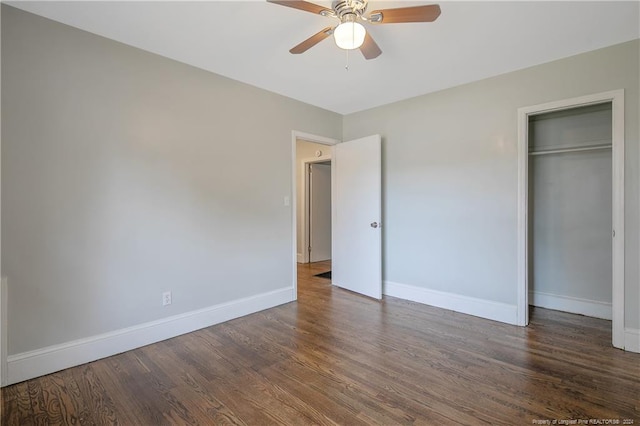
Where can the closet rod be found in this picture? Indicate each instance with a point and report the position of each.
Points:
(561, 150)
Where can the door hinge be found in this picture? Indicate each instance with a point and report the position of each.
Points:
(614, 233)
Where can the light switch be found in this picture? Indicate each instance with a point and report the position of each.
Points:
(286, 200)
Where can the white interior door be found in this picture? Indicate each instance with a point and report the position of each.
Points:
(357, 238)
(319, 212)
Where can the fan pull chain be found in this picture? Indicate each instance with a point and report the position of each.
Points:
(346, 67)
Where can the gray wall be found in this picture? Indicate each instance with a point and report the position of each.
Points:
(450, 174)
(125, 174)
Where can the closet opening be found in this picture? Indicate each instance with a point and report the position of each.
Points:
(570, 210)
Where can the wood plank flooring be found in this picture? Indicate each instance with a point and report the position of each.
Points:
(335, 357)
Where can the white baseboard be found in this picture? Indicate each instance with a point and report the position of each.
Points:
(632, 340)
(300, 258)
(467, 305)
(47, 360)
(590, 308)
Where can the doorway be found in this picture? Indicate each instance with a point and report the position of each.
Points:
(313, 239)
(307, 149)
(356, 212)
(616, 140)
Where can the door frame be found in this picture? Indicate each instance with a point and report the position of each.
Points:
(295, 136)
(616, 97)
(306, 224)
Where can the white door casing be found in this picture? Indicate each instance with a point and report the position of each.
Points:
(357, 211)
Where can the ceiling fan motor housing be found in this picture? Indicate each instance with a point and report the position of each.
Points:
(349, 8)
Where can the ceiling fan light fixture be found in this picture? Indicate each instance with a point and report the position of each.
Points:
(349, 34)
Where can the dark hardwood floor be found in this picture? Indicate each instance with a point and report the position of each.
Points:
(338, 358)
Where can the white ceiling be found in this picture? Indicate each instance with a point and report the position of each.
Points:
(249, 41)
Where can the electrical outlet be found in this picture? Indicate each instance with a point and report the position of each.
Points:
(166, 298)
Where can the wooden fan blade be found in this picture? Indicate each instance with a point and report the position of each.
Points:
(312, 41)
(369, 48)
(428, 13)
(302, 5)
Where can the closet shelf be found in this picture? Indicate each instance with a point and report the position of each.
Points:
(574, 149)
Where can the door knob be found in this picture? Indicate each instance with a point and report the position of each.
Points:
(374, 224)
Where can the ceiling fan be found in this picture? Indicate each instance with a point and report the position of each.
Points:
(349, 33)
